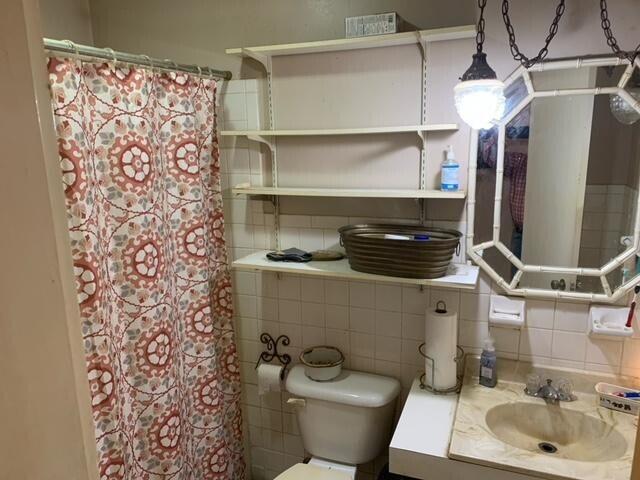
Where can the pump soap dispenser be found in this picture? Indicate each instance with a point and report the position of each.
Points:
(488, 367)
(450, 172)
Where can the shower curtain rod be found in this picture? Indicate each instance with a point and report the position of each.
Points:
(67, 46)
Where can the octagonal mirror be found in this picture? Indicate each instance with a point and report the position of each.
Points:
(555, 182)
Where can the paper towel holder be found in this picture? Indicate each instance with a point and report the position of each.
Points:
(272, 351)
(459, 376)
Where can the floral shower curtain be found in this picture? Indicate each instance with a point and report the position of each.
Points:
(139, 156)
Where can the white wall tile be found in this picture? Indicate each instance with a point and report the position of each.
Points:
(362, 320)
(312, 289)
(312, 336)
(569, 346)
(571, 317)
(361, 294)
(540, 313)
(471, 334)
(536, 342)
(289, 311)
(337, 292)
(631, 353)
(414, 300)
(300, 221)
(312, 314)
(388, 324)
(388, 348)
(362, 345)
(336, 316)
(604, 352)
(267, 308)
(474, 307)
(339, 339)
(507, 340)
(413, 326)
(289, 287)
(388, 297)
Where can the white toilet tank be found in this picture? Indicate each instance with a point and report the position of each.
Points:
(347, 419)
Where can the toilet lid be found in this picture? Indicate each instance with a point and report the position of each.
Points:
(303, 471)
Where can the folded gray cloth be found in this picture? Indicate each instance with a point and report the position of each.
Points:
(290, 255)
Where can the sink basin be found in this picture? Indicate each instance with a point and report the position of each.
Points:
(555, 431)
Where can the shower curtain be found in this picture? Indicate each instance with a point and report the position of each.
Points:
(139, 156)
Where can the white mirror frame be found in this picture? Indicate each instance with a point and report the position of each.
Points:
(475, 251)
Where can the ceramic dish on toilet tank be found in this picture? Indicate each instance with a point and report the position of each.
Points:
(322, 363)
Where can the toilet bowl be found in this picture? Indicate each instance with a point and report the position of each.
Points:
(343, 422)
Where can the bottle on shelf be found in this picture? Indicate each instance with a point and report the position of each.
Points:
(450, 172)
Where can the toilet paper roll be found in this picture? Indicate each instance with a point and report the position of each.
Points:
(441, 339)
(269, 378)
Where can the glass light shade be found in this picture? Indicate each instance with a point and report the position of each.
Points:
(624, 112)
(480, 103)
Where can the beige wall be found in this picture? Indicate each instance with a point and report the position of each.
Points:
(196, 31)
(67, 19)
(46, 430)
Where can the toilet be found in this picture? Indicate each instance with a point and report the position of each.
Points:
(343, 422)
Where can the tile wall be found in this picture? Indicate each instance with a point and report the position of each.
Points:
(609, 212)
(378, 326)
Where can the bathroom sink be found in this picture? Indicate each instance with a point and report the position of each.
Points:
(553, 430)
(503, 428)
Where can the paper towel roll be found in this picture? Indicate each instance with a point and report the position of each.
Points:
(269, 378)
(441, 340)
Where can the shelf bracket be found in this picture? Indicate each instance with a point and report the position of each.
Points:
(422, 42)
(266, 139)
(422, 211)
(265, 60)
(422, 135)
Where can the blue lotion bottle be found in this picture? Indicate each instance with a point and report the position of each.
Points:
(488, 364)
(450, 172)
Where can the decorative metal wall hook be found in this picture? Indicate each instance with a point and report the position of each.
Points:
(272, 351)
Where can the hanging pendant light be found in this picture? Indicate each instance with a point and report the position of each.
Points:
(479, 97)
(621, 110)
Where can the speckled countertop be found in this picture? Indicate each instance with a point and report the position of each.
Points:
(475, 439)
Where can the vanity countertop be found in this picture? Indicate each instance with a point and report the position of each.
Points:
(593, 443)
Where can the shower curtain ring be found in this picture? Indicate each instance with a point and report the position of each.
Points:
(150, 60)
(113, 55)
(199, 70)
(172, 62)
(73, 46)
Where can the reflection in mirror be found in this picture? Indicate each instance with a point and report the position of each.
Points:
(569, 182)
(623, 112)
(565, 79)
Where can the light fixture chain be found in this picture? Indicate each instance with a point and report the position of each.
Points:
(480, 34)
(611, 39)
(515, 51)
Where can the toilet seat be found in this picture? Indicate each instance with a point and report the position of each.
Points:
(304, 471)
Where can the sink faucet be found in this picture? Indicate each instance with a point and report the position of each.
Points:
(550, 394)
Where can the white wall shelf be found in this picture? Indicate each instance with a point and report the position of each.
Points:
(345, 192)
(459, 276)
(391, 40)
(440, 127)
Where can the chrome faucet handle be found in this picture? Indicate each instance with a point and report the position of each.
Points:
(565, 390)
(548, 393)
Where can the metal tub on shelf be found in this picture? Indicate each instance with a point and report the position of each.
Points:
(397, 250)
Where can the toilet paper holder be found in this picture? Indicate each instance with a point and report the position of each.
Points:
(272, 351)
(459, 359)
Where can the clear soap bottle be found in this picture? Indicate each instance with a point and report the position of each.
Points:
(488, 364)
(450, 172)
